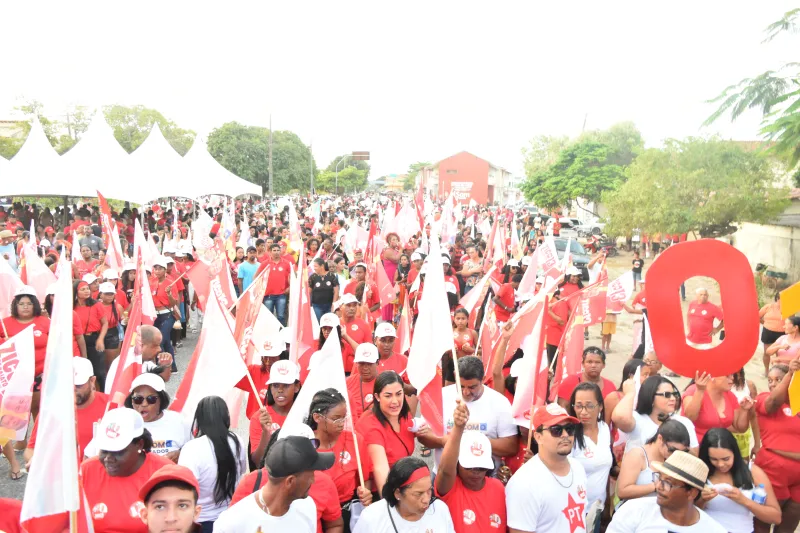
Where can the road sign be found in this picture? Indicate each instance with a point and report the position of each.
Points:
(360, 156)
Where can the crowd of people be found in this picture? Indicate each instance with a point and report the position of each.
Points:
(604, 453)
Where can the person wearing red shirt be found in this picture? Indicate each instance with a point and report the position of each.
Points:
(361, 383)
(90, 406)
(465, 339)
(354, 330)
(385, 428)
(555, 320)
(594, 361)
(113, 314)
(373, 299)
(86, 264)
(111, 276)
(779, 455)
(477, 502)
(504, 300)
(283, 386)
(277, 290)
(710, 403)
(700, 316)
(385, 340)
(260, 375)
(10, 511)
(165, 298)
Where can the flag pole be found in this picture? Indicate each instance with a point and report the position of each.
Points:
(355, 446)
(540, 348)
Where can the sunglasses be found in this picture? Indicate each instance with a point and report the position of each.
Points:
(557, 431)
(139, 400)
(668, 395)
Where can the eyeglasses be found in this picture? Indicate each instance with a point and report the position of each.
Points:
(152, 399)
(584, 406)
(337, 421)
(668, 395)
(667, 485)
(557, 431)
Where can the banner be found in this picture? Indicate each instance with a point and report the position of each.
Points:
(17, 370)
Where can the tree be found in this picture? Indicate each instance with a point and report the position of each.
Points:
(543, 152)
(410, 180)
(132, 125)
(703, 185)
(244, 150)
(348, 162)
(350, 179)
(624, 139)
(775, 94)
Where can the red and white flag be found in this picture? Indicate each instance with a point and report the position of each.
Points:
(265, 332)
(300, 319)
(430, 341)
(9, 284)
(570, 351)
(111, 237)
(386, 289)
(404, 331)
(33, 272)
(17, 370)
(216, 366)
(76, 247)
(247, 311)
(619, 291)
(532, 381)
(140, 243)
(210, 274)
(52, 490)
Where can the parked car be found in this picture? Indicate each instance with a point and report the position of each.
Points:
(567, 227)
(594, 227)
(578, 254)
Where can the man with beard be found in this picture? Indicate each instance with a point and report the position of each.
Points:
(90, 406)
(548, 493)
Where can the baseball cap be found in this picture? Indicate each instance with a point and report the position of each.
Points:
(283, 371)
(128, 266)
(348, 298)
(358, 251)
(552, 414)
(293, 455)
(516, 368)
(117, 429)
(110, 273)
(49, 229)
(361, 265)
(329, 320)
(445, 259)
(513, 263)
(527, 260)
(5, 234)
(160, 262)
(169, 260)
(25, 290)
(272, 348)
(107, 287)
(573, 271)
(416, 257)
(89, 278)
(82, 370)
(385, 329)
(540, 280)
(45, 243)
(297, 430)
(366, 353)
(180, 254)
(475, 451)
(154, 381)
(287, 335)
(449, 287)
(169, 472)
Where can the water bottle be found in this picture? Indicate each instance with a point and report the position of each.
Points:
(759, 495)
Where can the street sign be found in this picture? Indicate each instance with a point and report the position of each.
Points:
(360, 156)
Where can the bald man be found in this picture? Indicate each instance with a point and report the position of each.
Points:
(148, 343)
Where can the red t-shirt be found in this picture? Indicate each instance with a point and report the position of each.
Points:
(112, 315)
(344, 471)
(475, 511)
(570, 382)
(359, 331)
(160, 297)
(506, 295)
(709, 416)
(322, 491)
(278, 280)
(77, 329)
(554, 329)
(372, 299)
(114, 501)
(359, 394)
(396, 362)
(121, 299)
(515, 462)
(86, 416)
(640, 299)
(84, 267)
(260, 378)
(41, 331)
(780, 429)
(10, 510)
(255, 426)
(396, 444)
(701, 321)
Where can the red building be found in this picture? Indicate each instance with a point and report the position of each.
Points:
(469, 176)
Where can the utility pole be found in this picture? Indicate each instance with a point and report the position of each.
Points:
(270, 154)
(311, 168)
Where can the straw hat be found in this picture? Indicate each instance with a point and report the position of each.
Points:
(685, 467)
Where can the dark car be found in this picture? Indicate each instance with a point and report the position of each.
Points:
(579, 256)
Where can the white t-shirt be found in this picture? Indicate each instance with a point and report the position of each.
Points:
(198, 456)
(596, 460)
(169, 433)
(643, 515)
(375, 519)
(246, 517)
(538, 500)
(490, 414)
(646, 428)
(147, 366)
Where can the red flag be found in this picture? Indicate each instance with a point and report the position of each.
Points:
(619, 291)
(404, 331)
(385, 288)
(210, 273)
(419, 203)
(114, 253)
(489, 254)
(247, 310)
(489, 337)
(369, 253)
(593, 304)
(570, 351)
(300, 318)
(532, 380)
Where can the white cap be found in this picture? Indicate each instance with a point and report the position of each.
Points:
(45, 243)
(117, 429)
(160, 262)
(180, 254)
(272, 348)
(573, 271)
(445, 259)
(475, 451)
(449, 287)
(110, 273)
(527, 260)
(298, 430)
(51, 289)
(128, 266)
(348, 298)
(513, 263)
(107, 287)
(416, 257)
(385, 329)
(361, 265)
(170, 248)
(283, 371)
(516, 368)
(169, 260)
(540, 280)
(287, 335)
(366, 353)
(82, 370)
(89, 278)
(26, 290)
(154, 381)
(329, 320)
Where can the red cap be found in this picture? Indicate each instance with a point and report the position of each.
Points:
(49, 229)
(550, 415)
(358, 251)
(168, 473)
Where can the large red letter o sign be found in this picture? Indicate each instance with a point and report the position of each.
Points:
(727, 265)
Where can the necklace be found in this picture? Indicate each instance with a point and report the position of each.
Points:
(262, 503)
(568, 485)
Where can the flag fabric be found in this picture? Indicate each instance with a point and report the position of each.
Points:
(76, 247)
(303, 346)
(140, 243)
(430, 341)
(790, 301)
(52, 490)
(114, 250)
(17, 370)
(594, 302)
(570, 351)
(489, 254)
(33, 272)
(419, 204)
(210, 274)
(532, 381)
(247, 310)
(386, 289)
(10, 282)
(404, 331)
(266, 330)
(489, 337)
(472, 299)
(619, 291)
(216, 366)
(794, 395)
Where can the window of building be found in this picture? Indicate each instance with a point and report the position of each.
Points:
(452, 171)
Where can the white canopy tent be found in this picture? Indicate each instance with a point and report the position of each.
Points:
(34, 169)
(211, 176)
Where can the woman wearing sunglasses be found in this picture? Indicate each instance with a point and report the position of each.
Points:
(149, 398)
(635, 474)
(658, 401)
(327, 416)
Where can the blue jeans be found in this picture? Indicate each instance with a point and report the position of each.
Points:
(321, 309)
(276, 304)
(164, 323)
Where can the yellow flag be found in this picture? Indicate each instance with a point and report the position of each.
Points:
(790, 300)
(794, 394)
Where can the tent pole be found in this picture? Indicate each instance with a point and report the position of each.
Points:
(66, 208)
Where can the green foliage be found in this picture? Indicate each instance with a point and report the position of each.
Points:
(703, 185)
(348, 162)
(411, 177)
(132, 125)
(543, 152)
(351, 180)
(244, 150)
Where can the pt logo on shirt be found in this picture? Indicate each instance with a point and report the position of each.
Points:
(99, 511)
(495, 521)
(136, 509)
(574, 513)
(344, 457)
(367, 399)
(469, 516)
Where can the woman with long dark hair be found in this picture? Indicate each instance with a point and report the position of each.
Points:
(592, 447)
(283, 386)
(95, 326)
(216, 456)
(620, 438)
(728, 500)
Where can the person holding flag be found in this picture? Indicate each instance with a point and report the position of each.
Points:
(360, 384)
(283, 386)
(270, 352)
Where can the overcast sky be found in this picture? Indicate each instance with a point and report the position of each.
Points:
(407, 81)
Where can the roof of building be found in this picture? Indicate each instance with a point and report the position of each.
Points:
(436, 164)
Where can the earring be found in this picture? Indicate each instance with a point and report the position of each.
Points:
(140, 452)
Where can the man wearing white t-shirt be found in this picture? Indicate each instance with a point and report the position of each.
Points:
(548, 493)
(282, 504)
(679, 481)
(489, 412)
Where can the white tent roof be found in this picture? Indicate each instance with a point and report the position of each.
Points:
(213, 178)
(34, 168)
(158, 170)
